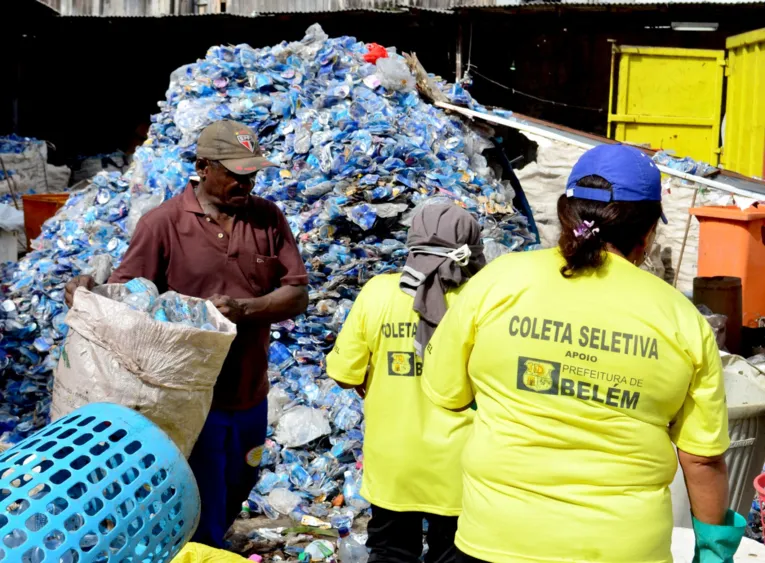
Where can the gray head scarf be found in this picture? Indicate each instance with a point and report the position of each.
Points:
(445, 250)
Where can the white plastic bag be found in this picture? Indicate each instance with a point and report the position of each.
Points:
(165, 371)
(277, 401)
(301, 425)
(395, 75)
(11, 219)
(283, 500)
(718, 323)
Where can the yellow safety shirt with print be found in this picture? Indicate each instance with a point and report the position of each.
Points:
(412, 448)
(582, 385)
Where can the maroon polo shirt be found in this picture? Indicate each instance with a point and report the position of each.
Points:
(181, 249)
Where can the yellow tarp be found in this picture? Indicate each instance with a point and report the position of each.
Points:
(198, 553)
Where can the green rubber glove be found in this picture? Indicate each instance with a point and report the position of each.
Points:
(718, 544)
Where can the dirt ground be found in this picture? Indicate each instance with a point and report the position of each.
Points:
(280, 539)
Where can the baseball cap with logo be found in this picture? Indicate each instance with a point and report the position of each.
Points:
(234, 145)
(632, 174)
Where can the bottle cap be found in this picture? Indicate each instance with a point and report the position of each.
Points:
(343, 531)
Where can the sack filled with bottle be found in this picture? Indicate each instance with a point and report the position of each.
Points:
(157, 354)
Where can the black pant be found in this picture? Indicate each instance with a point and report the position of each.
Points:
(396, 537)
(463, 557)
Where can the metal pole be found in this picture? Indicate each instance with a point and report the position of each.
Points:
(11, 183)
(523, 126)
(458, 58)
(45, 168)
(685, 237)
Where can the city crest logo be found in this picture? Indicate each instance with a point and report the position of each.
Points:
(538, 376)
(401, 363)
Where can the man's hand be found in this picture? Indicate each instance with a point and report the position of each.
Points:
(230, 308)
(80, 281)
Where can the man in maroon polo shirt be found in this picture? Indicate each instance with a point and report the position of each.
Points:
(217, 242)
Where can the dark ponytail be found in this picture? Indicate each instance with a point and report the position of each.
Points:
(622, 224)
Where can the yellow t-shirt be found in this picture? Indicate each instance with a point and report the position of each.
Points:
(198, 553)
(412, 448)
(582, 385)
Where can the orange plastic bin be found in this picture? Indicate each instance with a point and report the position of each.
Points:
(39, 208)
(732, 243)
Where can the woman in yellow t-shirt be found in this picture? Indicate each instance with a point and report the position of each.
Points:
(585, 370)
(412, 448)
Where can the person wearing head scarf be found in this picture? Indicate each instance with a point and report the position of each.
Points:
(411, 447)
(586, 370)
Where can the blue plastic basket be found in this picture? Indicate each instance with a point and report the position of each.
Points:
(101, 484)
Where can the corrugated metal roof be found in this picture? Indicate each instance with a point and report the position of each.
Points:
(448, 4)
(29, 8)
(142, 8)
(12, 10)
(319, 6)
(314, 6)
(522, 3)
(307, 6)
(109, 8)
(150, 8)
(54, 5)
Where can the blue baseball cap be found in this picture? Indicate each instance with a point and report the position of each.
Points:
(632, 174)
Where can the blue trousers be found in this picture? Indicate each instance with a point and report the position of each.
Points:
(225, 462)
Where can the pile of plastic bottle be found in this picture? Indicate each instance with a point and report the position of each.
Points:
(13, 145)
(685, 164)
(170, 307)
(358, 150)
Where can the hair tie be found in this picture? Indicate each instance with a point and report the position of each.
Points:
(585, 230)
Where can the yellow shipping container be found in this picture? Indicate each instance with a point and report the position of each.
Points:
(672, 99)
(744, 139)
(669, 99)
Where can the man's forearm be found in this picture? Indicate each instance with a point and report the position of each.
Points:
(707, 482)
(279, 305)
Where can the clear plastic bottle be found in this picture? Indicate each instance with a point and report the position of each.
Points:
(349, 550)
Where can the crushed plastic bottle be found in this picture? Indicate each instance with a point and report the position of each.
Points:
(355, 158)
(319, 550)
(143, 294)
(686, 164)
(170, 307)
(283, 500)
(349, 550)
